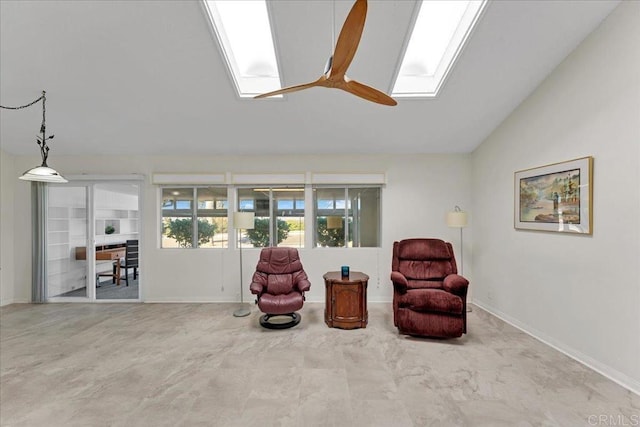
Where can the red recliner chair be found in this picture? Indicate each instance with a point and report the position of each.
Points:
(280, 284)
(429, 297)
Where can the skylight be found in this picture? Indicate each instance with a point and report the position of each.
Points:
(244, 32)
(439, 34)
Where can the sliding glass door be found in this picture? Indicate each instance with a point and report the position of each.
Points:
(116, 241)
(91, 241)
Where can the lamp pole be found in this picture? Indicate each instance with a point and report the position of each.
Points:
(242, 311)
(458, 219)
(242, 220)
(461, 254)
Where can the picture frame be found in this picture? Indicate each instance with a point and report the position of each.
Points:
(556, 197)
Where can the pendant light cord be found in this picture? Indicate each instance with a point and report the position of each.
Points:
(25, 106)
(42, 141)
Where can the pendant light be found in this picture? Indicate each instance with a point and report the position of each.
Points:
(43, 172)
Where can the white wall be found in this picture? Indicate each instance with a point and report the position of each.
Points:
(7, 177)
(420, 190)
(578, 293)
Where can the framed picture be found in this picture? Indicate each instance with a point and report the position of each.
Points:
(557, 197)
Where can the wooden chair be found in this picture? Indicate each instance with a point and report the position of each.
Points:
(130, 260)
(105, 274)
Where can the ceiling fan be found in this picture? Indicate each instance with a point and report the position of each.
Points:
(334, 74)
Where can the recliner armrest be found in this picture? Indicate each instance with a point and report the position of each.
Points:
(304, 285)
(399, 281)
(455, 284)
(256, 288)
(258, 283)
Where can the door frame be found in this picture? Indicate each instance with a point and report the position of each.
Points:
(89, 182)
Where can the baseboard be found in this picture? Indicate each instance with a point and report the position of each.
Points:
(202, 301)
(192, 301)
(609, 372)
(14, 301)
(189, 301)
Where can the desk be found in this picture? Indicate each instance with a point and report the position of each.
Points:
(110, 252)
(346, 300)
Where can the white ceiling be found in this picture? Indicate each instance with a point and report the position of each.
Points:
(146, 77)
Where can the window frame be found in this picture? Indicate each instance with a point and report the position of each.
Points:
(194, 213)
(345, 214)
(309, 216)
(272, 190)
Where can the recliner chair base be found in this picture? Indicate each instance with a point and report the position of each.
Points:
(265, 323)
(430, 324)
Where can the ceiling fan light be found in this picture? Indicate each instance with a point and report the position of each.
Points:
(42, 174)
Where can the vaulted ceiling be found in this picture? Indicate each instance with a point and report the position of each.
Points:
(147, 77)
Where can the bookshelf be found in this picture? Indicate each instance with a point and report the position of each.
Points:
(123, 221)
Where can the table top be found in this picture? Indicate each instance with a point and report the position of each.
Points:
(354, 276)
(103, 252)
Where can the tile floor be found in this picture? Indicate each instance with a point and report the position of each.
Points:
(197, 365)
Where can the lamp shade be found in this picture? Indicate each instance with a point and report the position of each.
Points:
(44, 174)
(243, 220)
(334, 222)
(457, 219)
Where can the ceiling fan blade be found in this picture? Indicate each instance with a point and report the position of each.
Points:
(367, 92)
(291, 89)
(348, 39)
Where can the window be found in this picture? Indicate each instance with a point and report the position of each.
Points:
(279, 216)
(194, 217)
(342, 215)
(347, 216)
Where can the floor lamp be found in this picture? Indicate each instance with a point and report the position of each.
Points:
(458, 219)
(242, 221)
